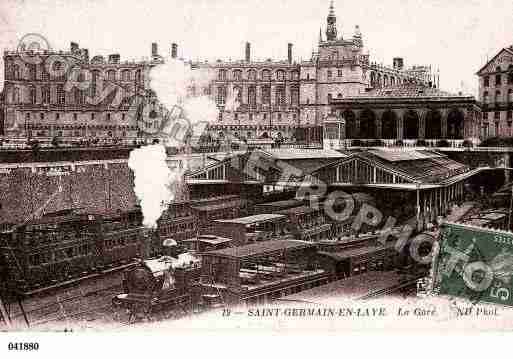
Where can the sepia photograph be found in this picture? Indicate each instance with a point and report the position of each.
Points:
(272, 166)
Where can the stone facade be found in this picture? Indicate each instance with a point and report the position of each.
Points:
(496, 95)
(67, 95)
(274, 98)
(412, 114)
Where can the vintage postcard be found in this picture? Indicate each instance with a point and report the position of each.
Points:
(180, 166)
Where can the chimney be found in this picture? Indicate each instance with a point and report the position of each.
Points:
(398, 63)
(73, 47)
(289, 53)
(248, 52)
(174, 50)
(85, 55)
(114, 59)
(154, 49)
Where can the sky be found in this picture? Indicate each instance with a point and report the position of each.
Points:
(457, 36)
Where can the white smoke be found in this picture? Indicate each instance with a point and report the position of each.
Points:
(232, 102)
(180, 90)
(152, 180)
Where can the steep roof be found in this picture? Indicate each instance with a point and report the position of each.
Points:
(422, 166)
(509, 50)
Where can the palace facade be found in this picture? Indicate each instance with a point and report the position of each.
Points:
(66, 94)
(272, 99)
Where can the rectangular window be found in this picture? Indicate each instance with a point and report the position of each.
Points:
(497, 115)
(61, 99)
(266, 94)
(329, 74)
(339, 72)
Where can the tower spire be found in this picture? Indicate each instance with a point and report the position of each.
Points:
(331, 29)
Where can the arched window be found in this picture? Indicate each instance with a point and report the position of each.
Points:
(126, 75)
(221, 76)
(79, 96)
(486, 81)
(294, 75)
(16, 73)
(497, 96)
(237, 75)
(32, 95)
(411, 124)
(61, 97)
(252, 96)
(31, 68)
(138, 76)
(45, 94)
(294, 96)
(16, 95)
(433, 125)
(111, 75)
(389, 125)
(252, 75)
(266, 75)
(221, 95)
(280, 95)
(95, 77)
(486, 98)
(280, 75)
(455, 123)
(266, 94)
(238, 93)
(385, 80)
(498, 76)
(510, 95)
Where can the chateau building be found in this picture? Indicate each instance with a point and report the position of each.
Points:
(406, 114)
(275, 98)
(496, 94)
(66, 94)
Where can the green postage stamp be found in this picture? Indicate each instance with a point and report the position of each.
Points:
(475, 263)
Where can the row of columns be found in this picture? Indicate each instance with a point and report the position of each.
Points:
(470, 127)
(436, 202)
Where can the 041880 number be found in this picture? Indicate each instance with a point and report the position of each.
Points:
(23, 346)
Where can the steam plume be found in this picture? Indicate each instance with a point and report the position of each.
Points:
(181, 91)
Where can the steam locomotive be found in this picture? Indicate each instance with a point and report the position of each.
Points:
(166, 282)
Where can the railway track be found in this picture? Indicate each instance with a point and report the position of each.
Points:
(392, 289)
